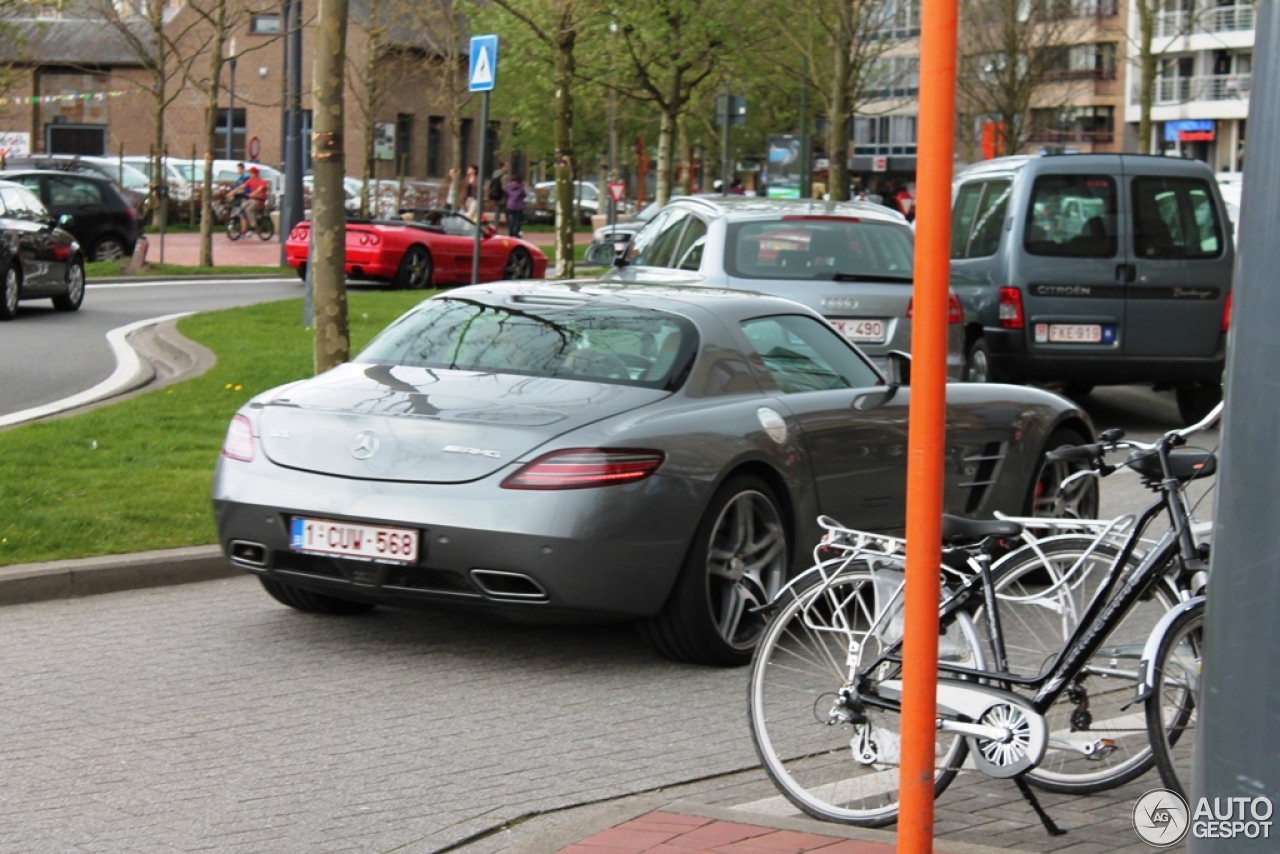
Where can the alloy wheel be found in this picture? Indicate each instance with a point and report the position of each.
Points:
(746, 564)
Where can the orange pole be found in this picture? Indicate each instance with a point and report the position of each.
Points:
(926, 438)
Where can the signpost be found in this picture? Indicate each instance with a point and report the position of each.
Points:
(482, 75)
(616, 189)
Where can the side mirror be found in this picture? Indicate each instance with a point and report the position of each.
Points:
(601, 255)
(66, 221)
(490, 231)
(898, 368)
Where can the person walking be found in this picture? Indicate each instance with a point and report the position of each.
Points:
(515, 195)
(470, 195)
(496, 192)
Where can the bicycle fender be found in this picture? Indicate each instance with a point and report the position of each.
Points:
(1146, 672)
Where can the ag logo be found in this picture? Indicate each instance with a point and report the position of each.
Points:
(1160, 817)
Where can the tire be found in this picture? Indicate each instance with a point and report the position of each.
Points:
(1074, 390)
(519, 264)
(310, 601)
(415, 270)
(977, 364)
(1047, 498)
(233, 228)
(707, 618)
(302, 272)
(1094, 706)
(1171, 707)
(1196, 399)
(798, 671)
(266, 228)
(71, 300)
(109, 248)
(10, 294)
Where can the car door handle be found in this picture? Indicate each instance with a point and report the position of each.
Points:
(1126, 273)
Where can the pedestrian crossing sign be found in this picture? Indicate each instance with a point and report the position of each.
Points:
(484, 63)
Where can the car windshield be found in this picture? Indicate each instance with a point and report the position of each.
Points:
(193, 171)
(541, 336)
(839, 249)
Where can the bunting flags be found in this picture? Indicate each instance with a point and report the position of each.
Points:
(58, 99)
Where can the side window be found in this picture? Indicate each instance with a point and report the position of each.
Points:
(1174, 218)
(13, 203)
(658, 253)
(989, 222)
(35, 208)
(688, 254)
(962, 213)
(70, 190)
(1072, 216)
(801, 354)
(644, 239)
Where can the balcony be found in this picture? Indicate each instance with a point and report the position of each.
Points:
(1209, 87)
(1081, 74)
(1217, 19)
(1057, 10)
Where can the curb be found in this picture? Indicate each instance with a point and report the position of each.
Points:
(71, 579)
(285, 273)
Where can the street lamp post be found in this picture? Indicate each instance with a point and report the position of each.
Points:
(231, 111)
(613, 138)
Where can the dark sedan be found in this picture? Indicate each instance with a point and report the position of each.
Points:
(583, 450)
(39, 259)
(102, 221)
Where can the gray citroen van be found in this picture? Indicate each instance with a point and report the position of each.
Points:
(1094, 269)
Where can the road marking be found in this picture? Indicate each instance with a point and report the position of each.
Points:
(187, 282)
(128, 364)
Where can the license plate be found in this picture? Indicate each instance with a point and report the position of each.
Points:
(1071, 333)
(366, 542)
(871, 331)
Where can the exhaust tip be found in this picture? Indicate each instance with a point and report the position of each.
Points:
(242, 551)
(508, 585)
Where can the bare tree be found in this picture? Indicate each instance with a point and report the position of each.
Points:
(556, 24)
(366, 85)
(332, 342)
(1171, 19)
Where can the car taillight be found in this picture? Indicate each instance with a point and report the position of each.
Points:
(580, 468)
(1226, 314)
(955, 312)
(1011, 308)
(239, 442)
(368, 238)
(300, 233)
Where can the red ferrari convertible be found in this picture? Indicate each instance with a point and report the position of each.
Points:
(431, 253)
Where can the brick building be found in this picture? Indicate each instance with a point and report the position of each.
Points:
(83, 88)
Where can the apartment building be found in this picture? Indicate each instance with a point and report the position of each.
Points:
(1201, 96)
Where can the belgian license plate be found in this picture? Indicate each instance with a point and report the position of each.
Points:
(1075, 333)
(347, 539)
(866, 331)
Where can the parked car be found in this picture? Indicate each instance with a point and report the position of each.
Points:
(850, 261)
(1095, 269)
(434, 252)
(588, 201)
(132, 185)
(175, 176)
(584, 450)
(101, 220)
(621, 233)
(39, 258)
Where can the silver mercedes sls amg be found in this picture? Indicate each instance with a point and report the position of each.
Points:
(562, 451)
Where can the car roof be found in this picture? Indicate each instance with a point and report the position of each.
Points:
(742, 208)
(58, 172)
(1103, 160)
(668, 296)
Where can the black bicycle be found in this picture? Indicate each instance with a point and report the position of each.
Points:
(1045, 655)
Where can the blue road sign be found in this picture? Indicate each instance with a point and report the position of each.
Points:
(483, 71)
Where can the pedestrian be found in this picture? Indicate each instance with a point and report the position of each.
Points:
(497, 192)
(906, 202)
(735, 187)
(470, 199)
(451, 190)
(515, 193)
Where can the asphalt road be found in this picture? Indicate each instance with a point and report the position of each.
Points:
(47, 355)
(206, 717)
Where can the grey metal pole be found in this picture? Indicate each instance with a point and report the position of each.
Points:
(284, 85)
(613, 156)
(806, 185)
(1237, 750)
(293, 202)
(480, 187)
(728, 115)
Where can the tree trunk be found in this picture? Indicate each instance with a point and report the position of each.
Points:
(370, 197)
(686, 154)
(210, 145)
(563, 121)
(456, 156)
(1146, 73)
(666, 134)
(159, 174)
(332, 344)
(838, 149)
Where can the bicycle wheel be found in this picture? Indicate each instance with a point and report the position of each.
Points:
(834, 758)
(266, 228)
(233, 226)
(1041, 602)
(1171, 707)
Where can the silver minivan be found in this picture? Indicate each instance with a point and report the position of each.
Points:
(1094, 269)
(853, 262)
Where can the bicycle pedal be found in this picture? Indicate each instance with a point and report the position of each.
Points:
(1100, 749)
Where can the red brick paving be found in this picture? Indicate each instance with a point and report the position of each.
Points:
(672, 833)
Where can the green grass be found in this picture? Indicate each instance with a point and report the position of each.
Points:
(579, 250)
(136, 475)
(99, 269)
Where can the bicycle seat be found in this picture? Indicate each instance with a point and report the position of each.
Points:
(957, 530)
(1183, 465)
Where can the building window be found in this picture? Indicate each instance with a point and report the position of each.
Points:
(467, 158)
(491, 148)
(435, 137)
(877, 136)
(266, 24)
(1073, 124)
(899, 19)
(1084, 62)
(237, 134)
(894, 77)
(404, 142)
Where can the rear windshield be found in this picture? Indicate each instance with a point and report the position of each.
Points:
(819, 248)
(1072, 216)
(611, 344)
